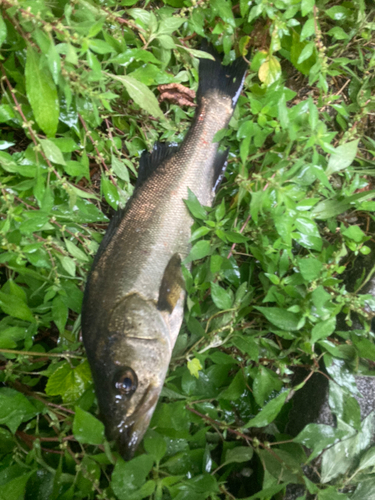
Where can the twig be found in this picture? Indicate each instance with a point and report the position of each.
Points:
(241, 230)
(47, 354)
(99, 154)
(26, 123)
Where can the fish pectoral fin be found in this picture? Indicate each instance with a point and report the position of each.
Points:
(172, 285)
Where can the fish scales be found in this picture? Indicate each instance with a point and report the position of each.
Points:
(157, 223)
(133, 303)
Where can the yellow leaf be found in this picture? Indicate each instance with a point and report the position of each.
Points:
(194, 366)
(269, 71)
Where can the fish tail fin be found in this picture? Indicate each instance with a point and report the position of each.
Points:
(213, 76)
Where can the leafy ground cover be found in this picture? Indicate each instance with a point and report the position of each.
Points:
(79, 90)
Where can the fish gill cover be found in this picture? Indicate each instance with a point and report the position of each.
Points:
(277, 321)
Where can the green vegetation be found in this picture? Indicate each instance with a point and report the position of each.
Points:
(78, 106)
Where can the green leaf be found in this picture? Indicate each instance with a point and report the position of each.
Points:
(308, 29)
(331, 493)
(141, 95)
(15, 408)
(86, 428)
(68, 264)
(75, 251)
(340, 457)
(200, 250)
(317, 437)
(310, 268)
(368, 459)
(110, 192)
(16, 307)
(323, 330)
(265, 382)
(129, 477)
(341, 374)
(35, 221)
(365, 489)
(100, 46)
(54, 62)
(223, 9)
(3, 30)
(120, 169)
(199, 233)
(268, 412)
(234, 237)
(6, 113)
(200, 54)
(235, 389)
(307, 6)
(338, 33)
(239, 454)
(280, 317)
(59, 313)
(338, 13)
(354, 233)
(306, 52)
(8, 163)
(42, 94)
(195, 208)
(155, 446)
(169, 25)
(15, 488)
(69, 383)
(268, 493)
(343, 157)
(221, 297)
(52, 151)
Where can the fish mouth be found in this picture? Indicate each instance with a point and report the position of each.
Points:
(130, 431)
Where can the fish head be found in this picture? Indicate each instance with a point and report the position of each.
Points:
(133, 361)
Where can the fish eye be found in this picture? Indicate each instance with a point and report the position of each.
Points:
(126, 383)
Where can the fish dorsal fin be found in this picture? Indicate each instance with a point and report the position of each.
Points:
(172, 285)
(111, 230)
(149, 162)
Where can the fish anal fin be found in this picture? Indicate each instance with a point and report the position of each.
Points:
(172, 285)
(149, 162)
(220, 165)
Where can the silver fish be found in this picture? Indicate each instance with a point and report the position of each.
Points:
(134, 297)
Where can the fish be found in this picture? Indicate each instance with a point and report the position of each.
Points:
(134, 297)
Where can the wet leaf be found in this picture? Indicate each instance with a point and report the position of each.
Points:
(110, 192)
(268, 412)
(155, 446)
(142, 95)
(86, 428)
(16, 307)
(280, 317)
(15, 408)
(221, 297)
(129, 477)
(52, 151)
(59, 313)
(69, 383)
(343, 157)
(42, 94)
(199, 250)
(195, 208)
(239, 454)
